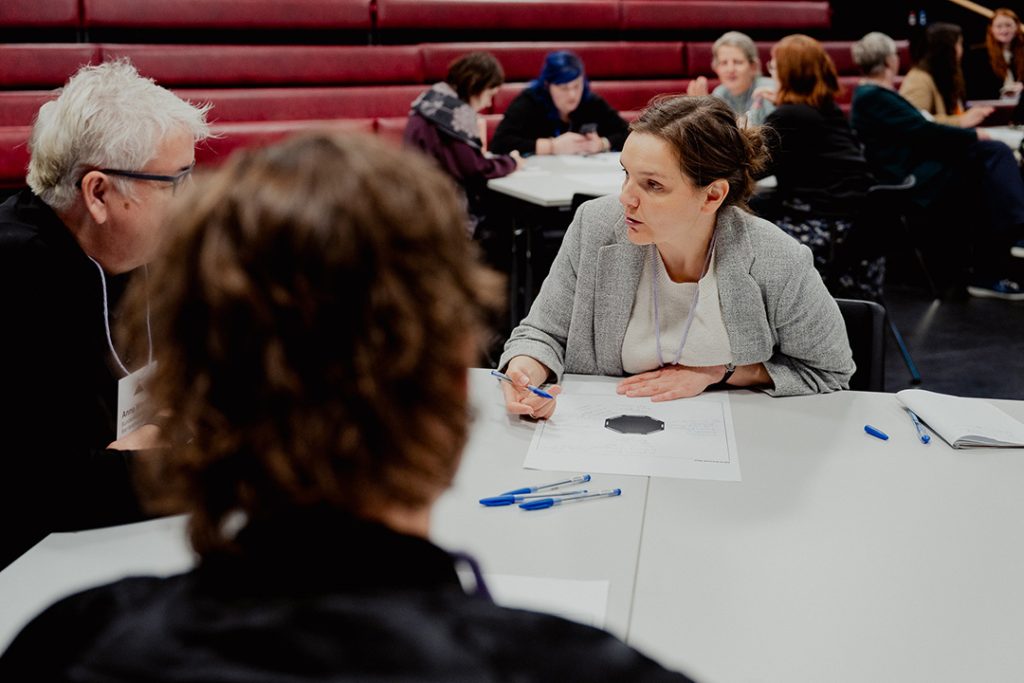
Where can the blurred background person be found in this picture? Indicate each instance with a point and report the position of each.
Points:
(995, 68)
(935, 84)
(822, 175)
(108, 155)
(738, 67)
(950, 165)
(557, 113)
(443, 123)
(318, 297)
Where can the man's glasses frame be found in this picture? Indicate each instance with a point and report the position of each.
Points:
(174, 180)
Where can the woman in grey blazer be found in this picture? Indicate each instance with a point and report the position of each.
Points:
(675, 284)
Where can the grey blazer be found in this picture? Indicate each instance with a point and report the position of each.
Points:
(775, 307)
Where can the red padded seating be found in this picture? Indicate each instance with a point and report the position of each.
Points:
(19, 107)
(522, 61)
(39, 13)
(41, 65)
(241, 65)
(231, 136)
(14, 158)
(229, 14)
(284, 104)
(725, 15)
(498, 14)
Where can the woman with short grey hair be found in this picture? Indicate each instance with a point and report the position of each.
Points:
(872, 51)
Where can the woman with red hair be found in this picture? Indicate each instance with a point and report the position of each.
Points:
(821, 171)
(995, 68)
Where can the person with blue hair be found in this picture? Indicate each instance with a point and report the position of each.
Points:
(557, 113)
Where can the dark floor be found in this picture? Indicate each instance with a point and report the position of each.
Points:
(961, 345)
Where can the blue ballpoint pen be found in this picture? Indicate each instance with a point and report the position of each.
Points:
(545, 503)
(498, 501)
(581, 479)
(537, 390)
(921, 434)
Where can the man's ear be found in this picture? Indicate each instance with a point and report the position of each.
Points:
(716, 194)
(95, 193)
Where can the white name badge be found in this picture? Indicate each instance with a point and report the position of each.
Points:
(132, 408)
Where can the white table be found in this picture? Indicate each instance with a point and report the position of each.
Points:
(552, 180)
(593, 541)
(837, 558)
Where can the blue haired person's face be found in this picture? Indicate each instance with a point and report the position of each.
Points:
(566, 96)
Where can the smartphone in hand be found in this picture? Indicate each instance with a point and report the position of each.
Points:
(588, 128)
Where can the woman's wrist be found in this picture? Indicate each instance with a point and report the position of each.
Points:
(545, 146)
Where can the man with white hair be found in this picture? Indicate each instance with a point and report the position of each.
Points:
(107, 156)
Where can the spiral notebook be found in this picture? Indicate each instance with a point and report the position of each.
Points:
(964, 422)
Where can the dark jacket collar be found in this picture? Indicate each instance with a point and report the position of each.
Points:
(320, 549)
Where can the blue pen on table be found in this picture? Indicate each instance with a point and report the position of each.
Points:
(921, 434)
(537, 390)
(876, 432)
(579, 479)
(545, 503)
(498, 501)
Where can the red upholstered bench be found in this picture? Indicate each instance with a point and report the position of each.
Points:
(497, 14)
(522, 61)
(39, 13)
(698, 56)
(41, 65)
(13, 155)
(227, 14)
(231, 136)
(19, 107)
(725, 14)
(245, 65)
(286, 104)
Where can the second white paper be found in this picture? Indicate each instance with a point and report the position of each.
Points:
(697, 442)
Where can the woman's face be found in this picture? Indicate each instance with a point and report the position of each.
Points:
(659, 201)
(734, 69)
(567, 96)
(1003, 29)
(482, 100)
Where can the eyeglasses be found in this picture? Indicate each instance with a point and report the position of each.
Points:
(174, 180)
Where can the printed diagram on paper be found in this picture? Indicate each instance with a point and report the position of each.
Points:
(697, 442)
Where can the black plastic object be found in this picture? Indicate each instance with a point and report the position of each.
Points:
(634, 424)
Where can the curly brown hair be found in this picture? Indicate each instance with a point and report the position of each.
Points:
(316, 310)
(710, 144)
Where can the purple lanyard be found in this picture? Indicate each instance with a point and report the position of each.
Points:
(693, 303)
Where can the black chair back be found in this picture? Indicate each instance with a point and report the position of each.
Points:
(865, 328)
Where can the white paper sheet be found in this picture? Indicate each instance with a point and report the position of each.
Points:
(698, 441)
(585, 602)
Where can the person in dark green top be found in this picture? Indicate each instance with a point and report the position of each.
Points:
(950, 164)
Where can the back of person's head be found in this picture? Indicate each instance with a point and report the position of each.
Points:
(709, 142)
(940, 59)
(740, 41)
(805, 72)
(317, 308)
(473, 73)
(106, 116)
(871, 52)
